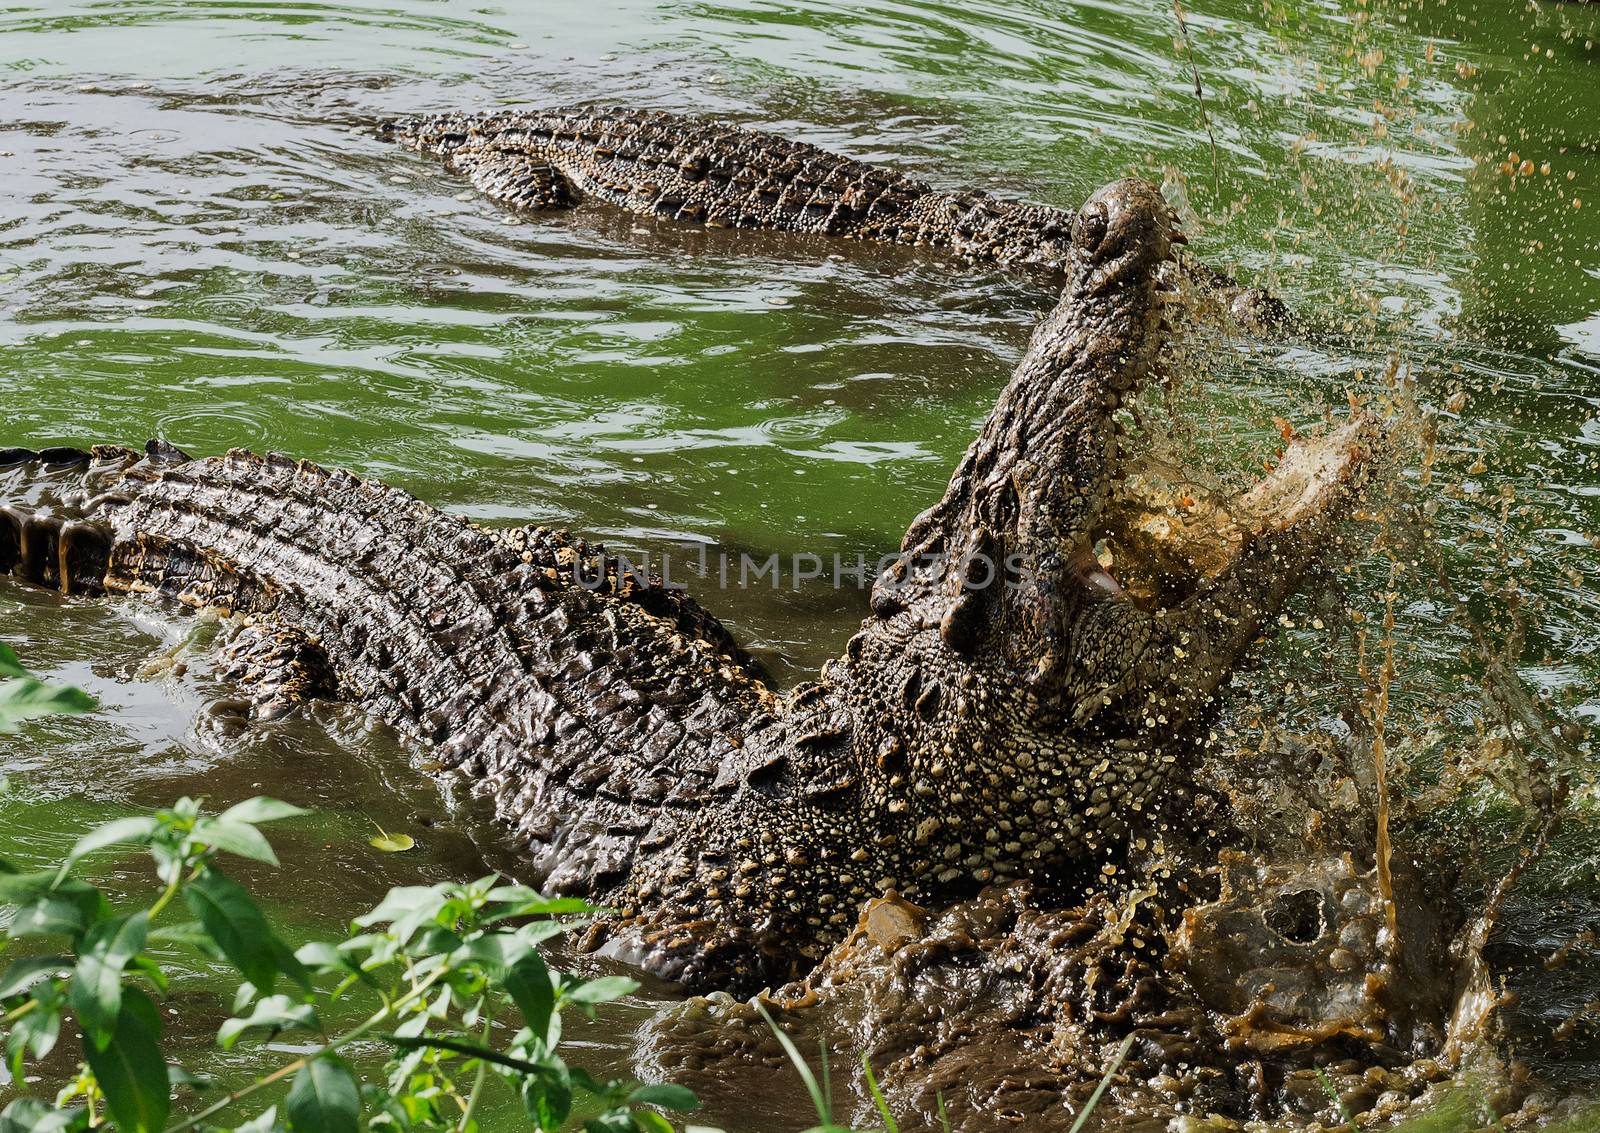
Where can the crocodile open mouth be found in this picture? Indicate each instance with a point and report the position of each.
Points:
(1162, 536)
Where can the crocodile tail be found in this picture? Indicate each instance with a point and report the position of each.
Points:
(417, 612)
(398, 595)
(437, 134)
(592, 717)
(53, 508)
(401, 597)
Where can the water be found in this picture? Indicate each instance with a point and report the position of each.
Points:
(200, 239)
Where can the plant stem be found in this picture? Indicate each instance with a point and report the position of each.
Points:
(1111, 1072)
(277, 1075)
(167, 895)
(433, 1042)
(336, 1044)
(1199, 91)
(477, 1084)
(18, 1012)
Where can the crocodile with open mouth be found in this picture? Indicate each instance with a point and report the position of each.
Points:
(1009, 710)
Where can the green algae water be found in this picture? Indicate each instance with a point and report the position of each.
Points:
(201, 239)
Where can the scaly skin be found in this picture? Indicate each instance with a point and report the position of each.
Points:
(720, 175)
(966, 735)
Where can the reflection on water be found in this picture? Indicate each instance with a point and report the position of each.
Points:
(201, 239)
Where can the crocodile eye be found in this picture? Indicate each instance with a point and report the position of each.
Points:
(1091, 227)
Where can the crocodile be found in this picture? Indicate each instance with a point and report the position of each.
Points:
(721, 175)
(1008, 710)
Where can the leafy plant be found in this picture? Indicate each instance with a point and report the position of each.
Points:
(24, 696)
(449, 968)
(451, 974)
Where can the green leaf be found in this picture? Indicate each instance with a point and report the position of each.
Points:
(135, 830)
(520, 901)
(151, 970)
(235, 838)
(534, 933)
(130, 1070)
(493, 953)
(17, 888)
(602, 990)
(236, 923)
(179, 1077)
(617, 1121)
(649, 1121)
(289, 964)
(97, 983)
(38, 1031)
(547, 1098)
(27, 698)
(266, 1122)
(48, 916)
(889, 1124)
(411, 1028)
(320, 956)
(24, 973)
(29, 1115)
(277, 1012)
(10, 664)
(324, 1098)
(190, 934)
(261, 809)
(550, 907)
(528, 984)
(410, 905)
(667, 1096)
(46, 907)
(433, 941)
(393, 843)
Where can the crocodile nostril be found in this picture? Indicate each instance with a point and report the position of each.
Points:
(1297, 917)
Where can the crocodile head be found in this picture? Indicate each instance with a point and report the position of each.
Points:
(1011, 707)
(1019, 680)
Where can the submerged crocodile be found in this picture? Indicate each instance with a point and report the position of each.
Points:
(720, 175)
(976, 729)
